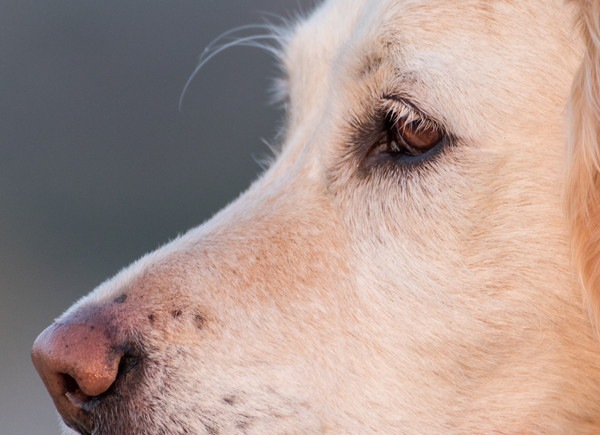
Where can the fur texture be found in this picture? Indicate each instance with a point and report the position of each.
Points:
(353, 291)
(583, 194)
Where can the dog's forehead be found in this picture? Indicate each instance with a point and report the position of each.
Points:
(457, 59)
(349, 25)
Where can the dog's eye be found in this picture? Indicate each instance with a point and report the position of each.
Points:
(413, 138)
(401, 136)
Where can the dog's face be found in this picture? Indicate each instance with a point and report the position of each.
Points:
(403, 264)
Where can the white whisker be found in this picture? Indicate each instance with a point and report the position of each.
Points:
(230, 32)
(249, 41)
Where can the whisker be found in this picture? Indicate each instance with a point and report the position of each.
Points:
(229, 32)
(250, 41)
(265, 161)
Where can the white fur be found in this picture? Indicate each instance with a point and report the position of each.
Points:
(343, 298)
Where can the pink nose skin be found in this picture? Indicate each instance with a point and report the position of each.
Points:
(77, 363)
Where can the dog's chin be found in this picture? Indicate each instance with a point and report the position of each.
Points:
(110, 422)
(66, 430)
(203, 423)
(126, 411)
(141, 411)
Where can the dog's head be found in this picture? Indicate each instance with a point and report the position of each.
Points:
(404, 263)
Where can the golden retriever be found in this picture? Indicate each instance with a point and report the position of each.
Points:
(422, 255)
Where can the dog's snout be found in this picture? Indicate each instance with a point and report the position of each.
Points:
(78, 364)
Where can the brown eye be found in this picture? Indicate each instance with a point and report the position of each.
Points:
(414, 138)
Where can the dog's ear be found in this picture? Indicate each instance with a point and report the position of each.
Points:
(583, 188)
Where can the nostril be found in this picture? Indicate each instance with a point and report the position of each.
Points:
(74, 394)
(70, 384)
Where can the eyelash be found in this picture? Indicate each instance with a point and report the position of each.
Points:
(398, 110)
(401, 111)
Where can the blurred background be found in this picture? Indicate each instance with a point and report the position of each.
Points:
(97, 163)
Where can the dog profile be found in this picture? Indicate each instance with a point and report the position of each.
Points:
(421, 256)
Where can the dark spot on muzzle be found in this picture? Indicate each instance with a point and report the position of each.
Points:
(230, 400)
(121, 299)
(200, 321)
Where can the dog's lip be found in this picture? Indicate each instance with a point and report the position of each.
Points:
(87, 409)
(79, 419)
(101, 408)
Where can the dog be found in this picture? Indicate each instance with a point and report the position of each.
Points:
(421, 256)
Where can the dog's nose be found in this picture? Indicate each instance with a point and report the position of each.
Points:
(77, 362)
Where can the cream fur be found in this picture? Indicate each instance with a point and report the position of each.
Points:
(337, 296)
(583, 194)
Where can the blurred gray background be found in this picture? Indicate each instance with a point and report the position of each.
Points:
(98, 165)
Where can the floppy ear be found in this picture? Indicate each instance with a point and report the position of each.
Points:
(583, 188)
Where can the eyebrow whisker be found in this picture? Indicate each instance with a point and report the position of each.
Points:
(248, 41)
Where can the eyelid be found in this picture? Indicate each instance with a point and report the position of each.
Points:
(403, 109)
(402, 113)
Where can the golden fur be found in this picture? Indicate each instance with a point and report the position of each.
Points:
(583, 189)
(348, 293)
